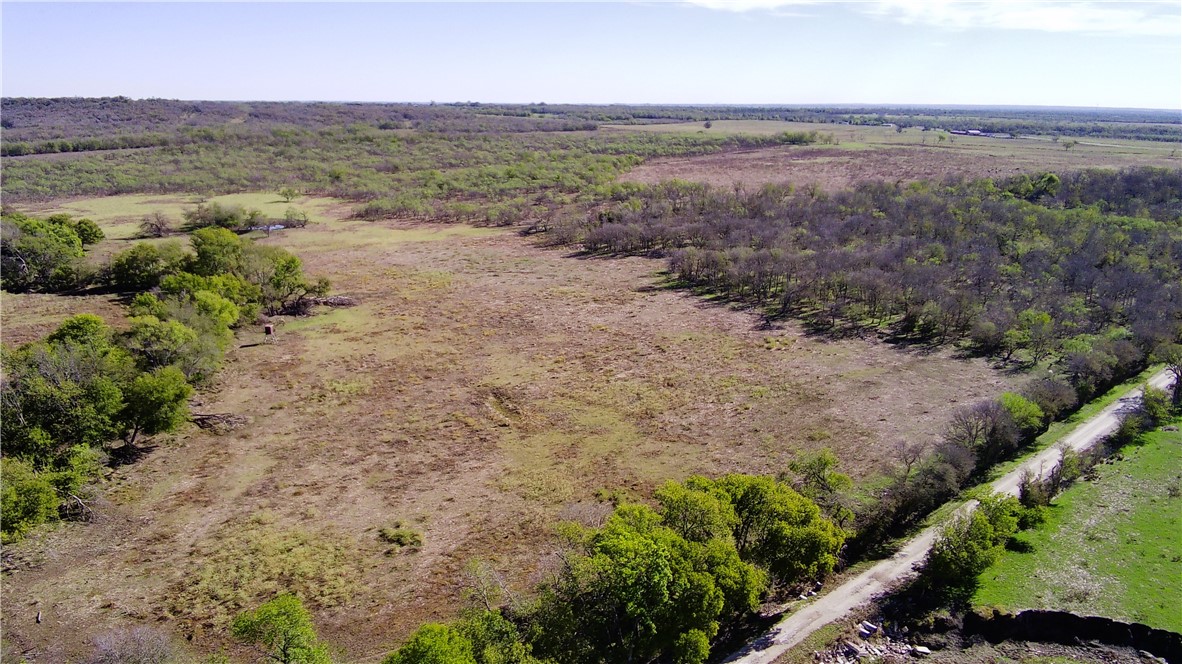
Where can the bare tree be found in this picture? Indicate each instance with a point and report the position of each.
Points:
(156, 224)
(138, 645)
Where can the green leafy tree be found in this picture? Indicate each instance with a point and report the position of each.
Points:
(157, 402)
(217, 308)
(280, 277)
(217, 251)
(38, 255)
(970, 544)
(1027, 416)
(27, 499)
(137, 268)
(245, 295)
(494, 639)
(434, 643)
(1041, 330)
(692, 647)
(159, 343)
(781, 530)
(819, 481)
(147, 304)
(282, 629)
(88, 232)
(84, 329)
(696, 510)
(964, 549)
(60, 394)
(636, 588)
(1155, 404)
(230, 217)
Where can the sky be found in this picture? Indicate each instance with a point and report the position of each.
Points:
(1004, 52)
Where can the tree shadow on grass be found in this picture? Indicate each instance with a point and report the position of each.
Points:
(128, 454)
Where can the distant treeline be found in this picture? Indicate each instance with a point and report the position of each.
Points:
(19, 149)
(35, 121)
(390, 172)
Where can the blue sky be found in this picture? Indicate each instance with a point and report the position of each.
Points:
(1077, 53)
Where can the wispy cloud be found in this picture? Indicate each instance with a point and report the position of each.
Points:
(752, 5)
(1150, 18)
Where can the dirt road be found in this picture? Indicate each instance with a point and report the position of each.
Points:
(834, 605)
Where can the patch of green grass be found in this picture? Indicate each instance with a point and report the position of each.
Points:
(119, 216)
(348, 234)
(821, 639)
(400, 536)
(248, 563)
(1110, 547)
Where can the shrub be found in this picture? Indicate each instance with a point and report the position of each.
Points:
(1052, 395)
(27, 499)
(88, 231)
(139, 645)
(1155, 404)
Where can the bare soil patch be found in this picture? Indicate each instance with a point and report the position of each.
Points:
(483, 389)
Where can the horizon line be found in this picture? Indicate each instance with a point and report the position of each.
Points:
(895, 105)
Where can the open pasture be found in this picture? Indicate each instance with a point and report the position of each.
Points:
(881, 153)
(1110, 546)
(482, 390)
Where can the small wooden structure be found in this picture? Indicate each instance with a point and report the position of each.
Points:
(269, 333)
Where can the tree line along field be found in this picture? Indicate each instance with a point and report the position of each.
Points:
(485, 387)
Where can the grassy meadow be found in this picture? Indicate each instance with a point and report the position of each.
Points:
(1110, 546)
(861, 152)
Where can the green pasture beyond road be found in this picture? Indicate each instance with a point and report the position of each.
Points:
(1111, 546)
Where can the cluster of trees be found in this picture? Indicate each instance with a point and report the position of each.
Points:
(649, 583)
(1144, 192)
(976, 438)
(64, 400)
(86, 391)
(1154, 408)
(1014, 274)
(48, 255)
(35, 120)
(89, 144)
(388, 172)
(44, 254)
(224, 272)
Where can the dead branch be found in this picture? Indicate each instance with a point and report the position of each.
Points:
(218, 423)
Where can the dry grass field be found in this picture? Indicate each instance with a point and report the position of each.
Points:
(869, 153)
(482, 390)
